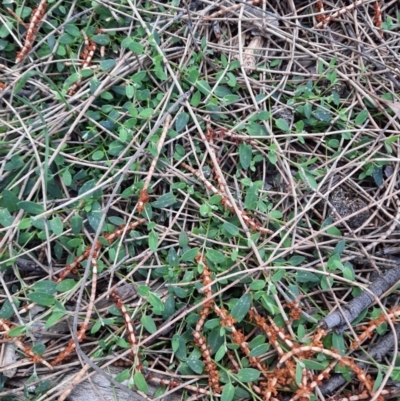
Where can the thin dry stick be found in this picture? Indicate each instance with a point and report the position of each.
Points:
(31, 33)
(144, 197)
(128, 323)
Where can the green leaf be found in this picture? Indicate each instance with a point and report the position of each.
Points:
(228, 392)
(39, 349)
(196, 365)
(259, 350)
(56, 225)
(72, 30)
(215, 256)
(205, 209)
(76, 224)
(239, 311)
(17, 331)
(339, 248)
(7, 311)
(140, 382)
(361, 117)
(10, 200)
(146, 113)
(156, 302)
(306, 277)
(190, 254)
(42, 298)
(256, 341)
(5, 218)
(248, 375)
(54, 318)
(257, 285)
(153, 241)
(148, 324)
(245, 153)
(165, 200)
(94, 216)
(181, 121)
(101, 39)
(124, 375)
(46, 286)
(107, 65)
(204, 87)
(250, 202)
(66, 285)
(230, 228)
(309, 364)
(143, 290)
(31, 207)
(136, 47)
(282, 125)
(299, 373)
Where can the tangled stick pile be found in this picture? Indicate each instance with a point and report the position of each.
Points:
(236, 165)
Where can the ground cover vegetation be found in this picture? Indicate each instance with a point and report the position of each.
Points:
(201, 195)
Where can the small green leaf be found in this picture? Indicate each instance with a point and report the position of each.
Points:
(56, 225)
(230, 228)
(250, 202)
(153, 241)
(136, 47)
(205, 210)
(282, 125)
(42, 298)
(31, 207)
(107, 65)
(76, 224)
(248, 375)
(259, 350)
(66, 285)
(39, 349)
(72, 30)
(95, 215)
(239, 311)
(10, 200)
(190, 254)
(155, 302)
(165, 200)
(148, 324)
(5, 218)
(124, 375)
(257, 285)
(228, 392)
(361, 117)
(299, 373)
(196, 365)
(309, 364)
(98, 155)
(146, 113)
(17, 331)
(143, 290)
(181, 121)
(245, 153)
(140, 382)
(7, 311)
(101, 39)
(47, 286)
(215, 256)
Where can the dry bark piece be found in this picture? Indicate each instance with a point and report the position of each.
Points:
(345, 203)
(352, 310)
